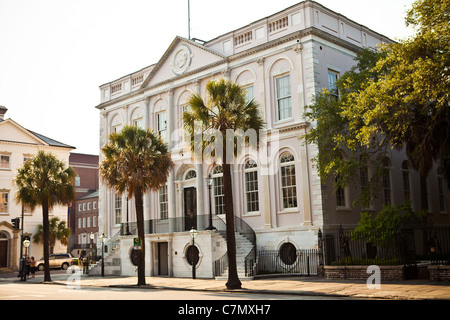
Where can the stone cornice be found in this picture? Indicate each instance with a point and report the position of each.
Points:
(298, 35)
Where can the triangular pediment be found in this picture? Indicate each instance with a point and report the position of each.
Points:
(13, 132)
(182, 57)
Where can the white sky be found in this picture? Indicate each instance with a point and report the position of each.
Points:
(54, 54)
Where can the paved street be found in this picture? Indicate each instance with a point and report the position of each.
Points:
(164, 288)
(28, 291)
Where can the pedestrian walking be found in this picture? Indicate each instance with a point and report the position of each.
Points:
(33, 267)
(27, 267)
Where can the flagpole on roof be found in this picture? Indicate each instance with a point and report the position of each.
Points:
(189, 19)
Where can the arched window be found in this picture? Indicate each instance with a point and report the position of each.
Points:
(218, 190)
(387, 190)
(251, 186)
(191, 174)
(288, 181)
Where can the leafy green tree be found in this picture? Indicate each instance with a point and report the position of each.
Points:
(44, 181)
(57, 231)
(398, 98)
(225, 110)
(341, 154)
(408, 104)
(135, 161)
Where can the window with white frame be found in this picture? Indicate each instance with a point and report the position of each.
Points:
(249, 94)
(138, 123)
(4, 161)
(333, 77)
(283, 91)
(162, 125)
(218, 190)
(117, 209)
(163, 203)
(251, 186)
(288, 181)
(4, 201)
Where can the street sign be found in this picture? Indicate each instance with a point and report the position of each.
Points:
(137, 243)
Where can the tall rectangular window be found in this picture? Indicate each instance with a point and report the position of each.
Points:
(163, 203)
(288, 181)
(249, 94)
(332, 83)
(117, 209)
(251, 186)
(162, 125)
(387, 182)
(219, 205)
(283, 86)
(4, 199)
(4, 162)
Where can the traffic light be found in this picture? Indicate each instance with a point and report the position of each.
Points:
(16, 223)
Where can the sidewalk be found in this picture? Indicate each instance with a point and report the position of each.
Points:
(306, 286)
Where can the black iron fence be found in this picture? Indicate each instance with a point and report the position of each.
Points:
(400, 246)
(287, 261)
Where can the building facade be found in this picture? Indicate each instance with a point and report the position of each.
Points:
(83, 213)
(18, 144)
(282, 61)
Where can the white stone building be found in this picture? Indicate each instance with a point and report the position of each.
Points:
(16, 145)
(282, 60)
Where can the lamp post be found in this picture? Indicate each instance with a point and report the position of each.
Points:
(209, 183)
(103, 256)
(193, 233)
(26, 244)
(92, 236)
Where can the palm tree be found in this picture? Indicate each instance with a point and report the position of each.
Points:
(44, 181)
(57, 231)
(226, 108)
(135, 161)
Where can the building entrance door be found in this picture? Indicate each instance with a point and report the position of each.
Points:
(190, 208)
(3, 253)
(163, 259)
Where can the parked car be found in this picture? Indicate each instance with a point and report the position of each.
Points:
(56, 261)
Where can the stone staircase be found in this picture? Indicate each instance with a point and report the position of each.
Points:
(243, 248)
(112, 264)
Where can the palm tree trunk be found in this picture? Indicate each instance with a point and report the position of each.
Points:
(140, 226)
(233, 279)
(46, 240)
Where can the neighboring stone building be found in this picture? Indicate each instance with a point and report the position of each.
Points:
(18, 144)
(282, 60)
